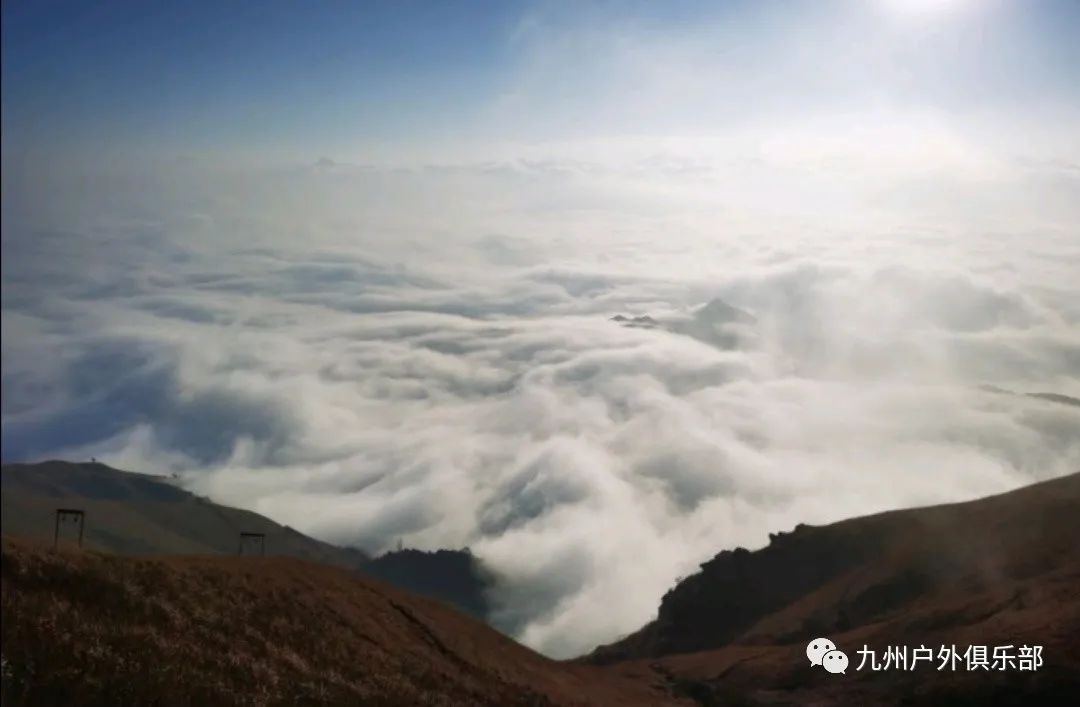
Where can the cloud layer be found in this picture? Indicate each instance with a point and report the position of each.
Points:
(427, 354)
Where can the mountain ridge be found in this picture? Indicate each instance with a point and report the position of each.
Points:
(853, 544)
(141, 514)
(999, 570)
(86, 627)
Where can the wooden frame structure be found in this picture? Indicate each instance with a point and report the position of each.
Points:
(61, 515)
(261, 537)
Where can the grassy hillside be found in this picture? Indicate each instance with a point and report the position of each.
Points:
(92, 628)
(133, 513)
(1003, 570)
(138, 514)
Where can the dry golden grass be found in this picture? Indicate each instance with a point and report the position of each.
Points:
(90, 628)
(1003, 570)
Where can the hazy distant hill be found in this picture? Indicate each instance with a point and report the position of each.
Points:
(716, 323)
(131, 513)
(1049, 397)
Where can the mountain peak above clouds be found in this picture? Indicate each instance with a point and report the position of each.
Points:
(716, 323)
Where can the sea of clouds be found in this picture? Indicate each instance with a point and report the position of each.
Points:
(426, 354)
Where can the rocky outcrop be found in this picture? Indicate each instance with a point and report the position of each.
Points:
(830, 579)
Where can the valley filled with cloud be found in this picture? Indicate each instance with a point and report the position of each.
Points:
(427, 353)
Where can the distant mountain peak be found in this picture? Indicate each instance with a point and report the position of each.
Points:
(718, 311)
(716, 323)
(643, 321)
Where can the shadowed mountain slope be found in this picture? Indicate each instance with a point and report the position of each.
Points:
(131, 513)
(1003, 570)
(139, 514)
(92, 628)
(454, 576)
(832, 578)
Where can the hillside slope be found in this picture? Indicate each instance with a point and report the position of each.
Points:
(92, 628)
(138, 514)
(1003, 570)
(132, 513)
(453, 576)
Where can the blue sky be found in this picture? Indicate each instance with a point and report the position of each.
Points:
(333, 77)
(248, 71)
